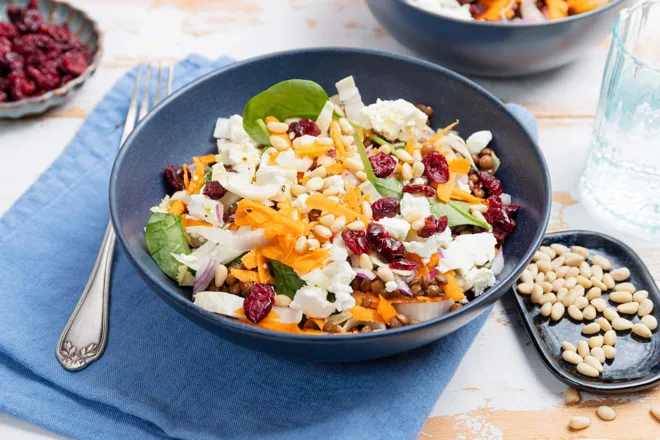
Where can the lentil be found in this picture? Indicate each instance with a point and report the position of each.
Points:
(395, 322)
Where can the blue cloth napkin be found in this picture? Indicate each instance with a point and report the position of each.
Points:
(162, 376)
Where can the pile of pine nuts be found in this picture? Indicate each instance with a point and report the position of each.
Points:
(563, 281)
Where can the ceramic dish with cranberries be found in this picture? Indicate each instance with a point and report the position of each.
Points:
(36, 57)
(325, 215)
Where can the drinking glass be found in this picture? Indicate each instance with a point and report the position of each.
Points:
(620, 185)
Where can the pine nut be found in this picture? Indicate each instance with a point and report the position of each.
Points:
(366, 210)
(597, 272)
(322, 231)
(599, 354)
(579, 290)
(584, 282)
(625, 287)
(526, 277)
(591, 329)
(580, 422)
(385, 149)
(558, 262)
(365, 262)
(606, 413)
(533, 269)
(297, 190)
(608, 280)
(548, 251)
(327, 220)
(593, 293)
(418, 169)
(610, 338)
(357, 225)
(385, 274)
(572, 396)
(417, 156)
(568, 346)
(650, 322)
(628, 308)
(354, 164)
(581, 302)
(573, 260)
(540, 277)
(277, 127)
(596, 282)
(345, 126)
(558, 285)
(641, 330)
(581, 251)
(220, 275)
(620, 274)
(622, 324)
(621, 297)
(525, 288)
(604, 324)
(599, 304)
(330, 192)
(610, 352)
(558, 310)
(537, 294)
(313, 243)
(279, 143)
(362, 176)
(572, 272)
(655, 410)
(596, 341)
(583, 348)
(406, 172)
(301, 244)
(561, 271)
(589, 312)
(544, 266)
(587, 370)
(610, 313)
(548, 298)
(282, 301)
(640, 296)
(645, 307)
(585, 270)
(572, 357)
(417, 225)
(540, 256)
(591, 360)
(403, 155)
(560, 249)
(551, 277)
(570, 282)
(601, 261)
(314, 184)
(547, 287)
(546, 309)
(561, 294)
(569, 299)
(575, 313)
(338, 224)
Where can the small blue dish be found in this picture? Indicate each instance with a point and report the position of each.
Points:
(56, 12)
(182, 127)
(495, 49)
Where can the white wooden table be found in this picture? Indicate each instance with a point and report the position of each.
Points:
(501, 390)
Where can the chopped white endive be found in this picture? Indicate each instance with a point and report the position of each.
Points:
(424, 311)
(449, 8)
(391, 286)
(202, 208)
(220, 302)
(231, 129)
(415, 204)
(313, 302)
(397, 227)
(479, 280)
(467, 251)
(349, 95)
(232, 154)
(239, 182)
(478, 141)
(287, 315)
(162, 207)
(325, 117)
(287, 159)
(394, 119)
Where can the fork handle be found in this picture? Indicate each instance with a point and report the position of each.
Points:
(85, 334)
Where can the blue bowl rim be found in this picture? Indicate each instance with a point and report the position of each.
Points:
(511, 25)
(497, 291)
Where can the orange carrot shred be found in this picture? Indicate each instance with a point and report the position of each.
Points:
(445, 189)
(208, 159)
(442, 132)
(335, 134)
(459, 165)
(245, 275)
(177, 208)
(363, 314)
(186, 180)
(459, 194)
(385, 309)
(452, 289)
(249, 260)
(189, 221)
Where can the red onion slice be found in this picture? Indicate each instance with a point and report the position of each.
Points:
(403, 286)
(219, 214)
(365, 274)
(498, 263)
(434, 273)
(204, 276)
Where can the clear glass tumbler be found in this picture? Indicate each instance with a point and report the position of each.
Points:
(621, 181)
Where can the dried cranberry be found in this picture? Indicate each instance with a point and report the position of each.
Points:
(436, 168)
(426, 190)
(5, 46)
(15, 14)
(385, 207)
(491, 182)
(33, 4)
(380, 241)
(404, 264)
(19, 86)
(74, 62)
(45, 80)
(498, 217)
(174, 176)
(214, 190)
(383, 164)
(7, 30)
(3, 96)
(304, 127)
(259, 302)
(356, 241)
(15, 62)
(31, 22)
(433, 225)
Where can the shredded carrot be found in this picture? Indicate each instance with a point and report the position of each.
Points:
(459, 194)
(208, 159)
(495, 9)
(301, 263)
(249, 260)
(580, 6)
(271, 119)
(318, 201)
(418, 299)
(262, 269)
(459, 165)
(335, 134)
(336, 168)
(177, 208)
(352, 199)
(312, 151)
(385, 309)
(410, 145)
(245, 275)
(363, 314)
(445, 189)
(189, 221)
(273, 157)
(442, 132)
(197, 181)
(452, 289)
(556, 9)
(186, 180)
(274, 223)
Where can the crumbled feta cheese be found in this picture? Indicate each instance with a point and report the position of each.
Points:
(479, 280)
(287, 159)
(462, 182)
(220, 302)
(467, 251)
(415, 204)
(394, 119)
(338, 249)
(478, 141)
(301, 203)
(448, 8)
(232, 154)
(336, 277)
(313, 302)
(397, 227)
(231, 129)
(202, 208)
(336, 182)
(391, 286)
(426, 248)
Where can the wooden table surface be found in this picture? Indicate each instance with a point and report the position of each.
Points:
(501, 390)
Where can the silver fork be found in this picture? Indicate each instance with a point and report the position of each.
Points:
(85, 335)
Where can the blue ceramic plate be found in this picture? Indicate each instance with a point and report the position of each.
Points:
(637, 362)
(183, 124)
(492, 48)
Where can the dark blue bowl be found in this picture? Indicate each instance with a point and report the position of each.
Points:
(495, 49)
(182, 126)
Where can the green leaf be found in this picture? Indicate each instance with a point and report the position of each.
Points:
(208, 172)
(236, 260)
(264, 130)
(457, 214)
(292, 98)
(164, 236)
(385, 187)
(287, 281)
(380, 141)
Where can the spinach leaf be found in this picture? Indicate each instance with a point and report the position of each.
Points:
(287, 281)
(236, 260)
(385, 187)
(457, 214)
(380, 141)
(208, 172)
(164, 236)
(292, 98)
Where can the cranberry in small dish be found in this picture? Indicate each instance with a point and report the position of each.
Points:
(325, 215)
